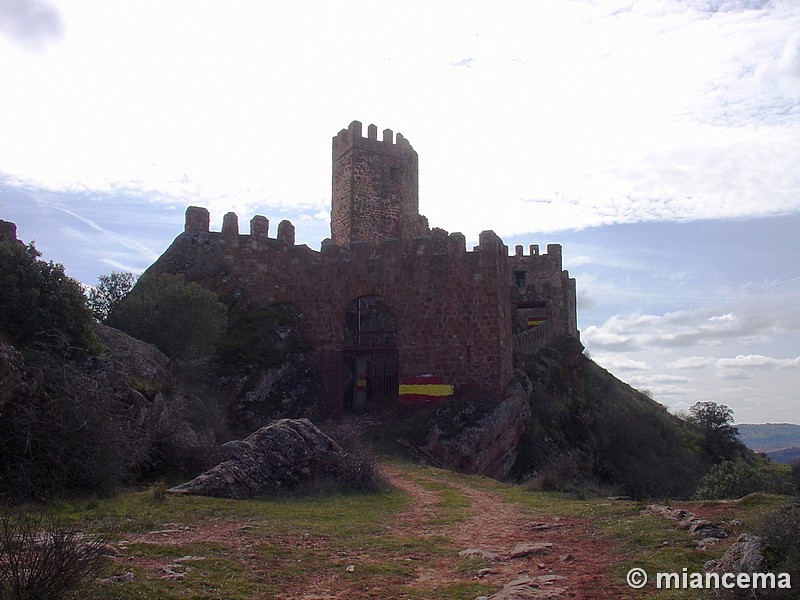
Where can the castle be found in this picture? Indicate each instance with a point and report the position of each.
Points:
(399, 313)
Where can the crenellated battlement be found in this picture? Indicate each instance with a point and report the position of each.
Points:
(439, 243)
(553, 250)
(353, 136)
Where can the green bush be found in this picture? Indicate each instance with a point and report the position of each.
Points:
(260, 337)
(109, 291)
(794, 477)
(357, 473)
(182, 318)
(737, 478)
(40, 305)
(187, 437)
(780, 536)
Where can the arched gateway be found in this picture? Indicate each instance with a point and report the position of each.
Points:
(370, 362)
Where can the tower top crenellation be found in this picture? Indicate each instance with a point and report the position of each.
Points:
(390, 142)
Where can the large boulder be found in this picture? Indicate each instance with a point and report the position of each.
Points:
(274, 459)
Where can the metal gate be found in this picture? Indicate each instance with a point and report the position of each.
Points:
(361, 381)
(375, 389)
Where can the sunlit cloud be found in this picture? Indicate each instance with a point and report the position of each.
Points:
(31, 24)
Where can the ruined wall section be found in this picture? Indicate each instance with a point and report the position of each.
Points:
(375, 187)
(452, 307)
(8, 231)
(541, 290)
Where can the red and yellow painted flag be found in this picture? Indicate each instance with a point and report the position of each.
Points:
(424, 390)
(535, 322)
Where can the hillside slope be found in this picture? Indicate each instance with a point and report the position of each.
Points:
(588, 427)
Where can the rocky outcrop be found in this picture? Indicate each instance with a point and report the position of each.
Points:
(143, 365)
(744, 556)
(481, 439)
(289, 390)
(274, 459)
(694, 524)
(530, 588)
(80, 424)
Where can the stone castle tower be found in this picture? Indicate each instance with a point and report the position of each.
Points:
(375, 188)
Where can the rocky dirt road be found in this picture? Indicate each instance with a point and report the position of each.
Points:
(527, 555)
(458, 538)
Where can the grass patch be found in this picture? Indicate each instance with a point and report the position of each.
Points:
(469, 566)
(136, 512)
(452, 505)
(467, 590)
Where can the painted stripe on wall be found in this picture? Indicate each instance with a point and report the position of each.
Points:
(430, 389)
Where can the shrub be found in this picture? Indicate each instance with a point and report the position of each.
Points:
(187, 436)
(65, 436)
(736, 478)
(357, 472)
(780, 536)
(109, 291)
(570, 473)
(40, 304)
(184, 319)
(261, 337)
(44, 558)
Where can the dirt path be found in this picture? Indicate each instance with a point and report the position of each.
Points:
(481, 537)
(547, 557)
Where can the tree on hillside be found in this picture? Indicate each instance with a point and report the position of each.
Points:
(716, 423)
(40, 304)
(108, 292)
(182, 318)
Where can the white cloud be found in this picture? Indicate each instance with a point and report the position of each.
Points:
(739, 362)
(615, 362)
(609, 112)
(680, 329)
(31, 24)
(752, 361)
(692, 362)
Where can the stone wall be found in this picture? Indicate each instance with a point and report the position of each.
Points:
(452, 308)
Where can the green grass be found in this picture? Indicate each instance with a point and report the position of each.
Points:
(467, 590)
(452, 505)
(351, 541)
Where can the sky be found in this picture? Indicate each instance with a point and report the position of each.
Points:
(657, 141)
